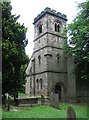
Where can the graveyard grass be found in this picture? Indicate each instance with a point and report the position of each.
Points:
(44, 112)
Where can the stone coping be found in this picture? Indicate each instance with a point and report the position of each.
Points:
(52, 12)
(30, 97)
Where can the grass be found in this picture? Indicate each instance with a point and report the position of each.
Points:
(21, 94)
(44, 112)
(0, 113)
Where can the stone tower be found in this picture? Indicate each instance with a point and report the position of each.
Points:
(48, 68)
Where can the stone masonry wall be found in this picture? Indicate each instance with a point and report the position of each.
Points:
(48, 45)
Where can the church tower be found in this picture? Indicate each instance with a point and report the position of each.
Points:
(47, 71)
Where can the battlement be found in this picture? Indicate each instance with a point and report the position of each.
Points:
(52, 12)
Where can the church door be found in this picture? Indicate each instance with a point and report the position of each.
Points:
(58, 90)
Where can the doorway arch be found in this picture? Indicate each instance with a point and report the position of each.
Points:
(59, 90)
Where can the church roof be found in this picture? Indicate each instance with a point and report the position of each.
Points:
(52, 12)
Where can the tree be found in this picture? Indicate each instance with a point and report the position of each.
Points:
(14, 58)
(79, 40)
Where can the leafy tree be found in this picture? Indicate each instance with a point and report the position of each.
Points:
(78, 46)
(14, 58)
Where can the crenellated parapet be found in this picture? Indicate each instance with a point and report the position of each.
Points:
(52, 12)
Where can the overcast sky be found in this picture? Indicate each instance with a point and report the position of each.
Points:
(29, 9)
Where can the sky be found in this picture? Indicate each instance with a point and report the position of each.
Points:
(29, 9)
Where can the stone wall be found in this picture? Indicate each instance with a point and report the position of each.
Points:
(48, 45)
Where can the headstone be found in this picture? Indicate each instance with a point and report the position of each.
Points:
(7, 102)
(71, 113)
(54, 100)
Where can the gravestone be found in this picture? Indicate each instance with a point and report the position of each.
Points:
(71, 113)
(7, 102)
(54, 100)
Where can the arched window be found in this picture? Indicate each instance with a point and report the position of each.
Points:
(40, 29)
(58, 58)
(57, 27)
(39, 59)
(37, 82)
(41, 83)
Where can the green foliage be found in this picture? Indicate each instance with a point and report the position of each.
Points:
(78, 32)
(14, 58)
(64, 32)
